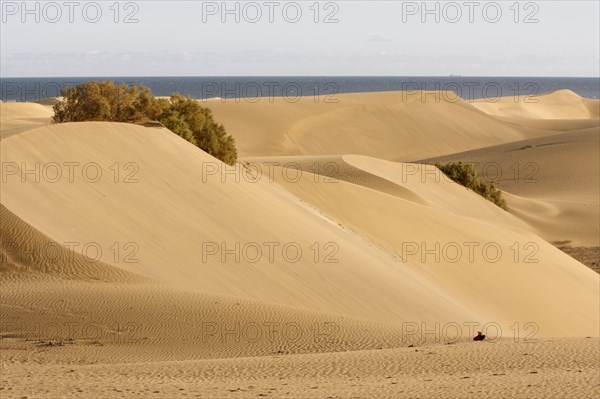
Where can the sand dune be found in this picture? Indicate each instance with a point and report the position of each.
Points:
(170, 217)
(551, 182)
(25, 111)
(166, 272)
(24, 251)
(392, 125)
(63, 296)
(209, 215)
(562, 104)
(19, 117)
(405, 228)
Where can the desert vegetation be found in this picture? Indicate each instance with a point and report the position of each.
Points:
(465, 174)
(106, 101)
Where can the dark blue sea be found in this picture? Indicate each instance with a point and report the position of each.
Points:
(255, 88)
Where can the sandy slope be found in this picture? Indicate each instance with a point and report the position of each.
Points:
(195, 217)
(551, 182)
(406, 228)
(19, 117)
(170, 217)
(395, 125)
(562, 104)
(196, 321)
(389, 125)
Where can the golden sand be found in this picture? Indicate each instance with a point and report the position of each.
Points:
(332, 261)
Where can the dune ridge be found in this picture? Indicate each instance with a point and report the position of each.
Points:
(434, 123)
(25, 251)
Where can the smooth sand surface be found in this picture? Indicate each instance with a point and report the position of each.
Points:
(133, 264)
(401, 126)
(20, 117)
(551, 182)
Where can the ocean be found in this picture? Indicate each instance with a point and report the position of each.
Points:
(259, 88)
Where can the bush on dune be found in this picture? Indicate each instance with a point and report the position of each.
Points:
(465, 175)
(182, 115)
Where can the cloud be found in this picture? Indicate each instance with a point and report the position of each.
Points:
(378, 38)
(373, 61)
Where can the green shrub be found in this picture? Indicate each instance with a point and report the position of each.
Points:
(465, 174)
(182, 115)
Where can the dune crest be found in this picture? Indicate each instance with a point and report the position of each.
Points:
(402, 126)
(561, 104)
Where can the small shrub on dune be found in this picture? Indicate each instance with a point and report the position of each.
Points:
(106, 101)
(182, 115)
(465, 175)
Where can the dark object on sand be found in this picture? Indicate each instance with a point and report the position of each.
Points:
(479, 336)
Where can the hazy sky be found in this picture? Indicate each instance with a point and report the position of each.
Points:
(372, 38)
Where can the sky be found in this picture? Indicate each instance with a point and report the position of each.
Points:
(299, 38)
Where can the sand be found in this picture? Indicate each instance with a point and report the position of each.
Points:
(332, 261)
(540, 176)
(20, 117)
(559, 368)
